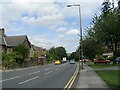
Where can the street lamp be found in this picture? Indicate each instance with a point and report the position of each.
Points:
(81, 40)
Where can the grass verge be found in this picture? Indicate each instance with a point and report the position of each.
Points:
(111, 77)
(96, 66)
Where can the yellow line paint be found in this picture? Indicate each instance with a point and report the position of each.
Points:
(70, 82)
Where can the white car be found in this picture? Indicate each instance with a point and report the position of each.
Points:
(72, 62)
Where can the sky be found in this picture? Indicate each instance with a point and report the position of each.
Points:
(48, 23)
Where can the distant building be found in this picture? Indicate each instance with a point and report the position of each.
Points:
(108, 55)
(38, 53)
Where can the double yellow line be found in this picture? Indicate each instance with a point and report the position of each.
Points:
(70, 82)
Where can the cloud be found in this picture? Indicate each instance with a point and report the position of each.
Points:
(72, 32)
(46, 20)
(61, 30)
(38, 40)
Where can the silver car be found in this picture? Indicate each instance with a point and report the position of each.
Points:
(72, 62)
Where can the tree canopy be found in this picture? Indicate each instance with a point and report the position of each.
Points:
(56, 53)
(104, 32)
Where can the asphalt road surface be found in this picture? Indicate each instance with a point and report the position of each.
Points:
(46, 76)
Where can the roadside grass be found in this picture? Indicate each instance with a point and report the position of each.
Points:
(95, 66)
(111, 77)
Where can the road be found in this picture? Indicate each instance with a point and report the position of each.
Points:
(46, 76)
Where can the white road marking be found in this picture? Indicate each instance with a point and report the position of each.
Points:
(46, 69)
(34, 72)
(28, 80)
(56, 68)
(10, 79)
(48, 72)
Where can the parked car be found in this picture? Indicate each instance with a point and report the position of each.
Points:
(117, 60)
(72, 61)
(57, 62)
(101, 61)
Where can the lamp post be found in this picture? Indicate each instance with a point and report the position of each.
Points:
(81, 40)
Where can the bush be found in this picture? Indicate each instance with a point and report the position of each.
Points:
(10, 59)
(111, 58)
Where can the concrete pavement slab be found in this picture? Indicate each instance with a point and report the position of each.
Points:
(89, 79)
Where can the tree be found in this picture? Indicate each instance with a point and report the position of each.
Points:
(118, 52)
(23, 51)
(60, 52)
(106, 28)
(50, 54)
(56, 53)
(106, 7)
(75, 55)
(91, 48)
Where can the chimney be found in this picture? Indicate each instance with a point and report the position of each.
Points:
(119, 4)
(2, 32)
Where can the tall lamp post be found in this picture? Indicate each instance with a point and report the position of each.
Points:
(81, 40)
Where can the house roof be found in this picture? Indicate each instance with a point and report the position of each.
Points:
(15, 40)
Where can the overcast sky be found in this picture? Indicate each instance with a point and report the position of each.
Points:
(47, 23)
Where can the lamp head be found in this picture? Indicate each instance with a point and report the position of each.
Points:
(105, 1)
(69, 5)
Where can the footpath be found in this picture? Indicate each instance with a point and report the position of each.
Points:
(88, 79)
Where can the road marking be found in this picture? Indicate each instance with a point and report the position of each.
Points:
(10, 79)
(34, 72)
(70, 82)
(73, 79)
(48, 72)
(56, 68)
(46, 69)
(29, 80)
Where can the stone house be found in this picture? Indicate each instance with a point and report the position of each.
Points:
(7, 42)
(12, 41)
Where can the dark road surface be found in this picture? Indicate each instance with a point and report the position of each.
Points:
(46, 76)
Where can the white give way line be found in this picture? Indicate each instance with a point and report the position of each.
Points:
(34, 72)
(48, 72)
(10, 79)
(29, 80)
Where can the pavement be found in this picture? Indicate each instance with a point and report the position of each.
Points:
(89, 79)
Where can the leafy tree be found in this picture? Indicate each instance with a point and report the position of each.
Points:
(56, 53)
(107, 6)
(60, 52)
(118, 52)
(50, 54)
(75, 55)
(107, 31)
(23, 51)
(104, 32)
(91, 48)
